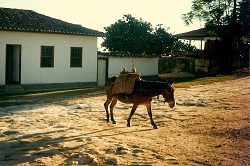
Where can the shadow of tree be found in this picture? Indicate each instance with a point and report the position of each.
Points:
(19, 149)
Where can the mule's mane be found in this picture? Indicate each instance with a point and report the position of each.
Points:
(150, 84)
(150, 88)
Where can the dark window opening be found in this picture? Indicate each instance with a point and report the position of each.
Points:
(76, 57)
(47, 56)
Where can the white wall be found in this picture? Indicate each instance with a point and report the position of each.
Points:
(146, 66)
(32, 73)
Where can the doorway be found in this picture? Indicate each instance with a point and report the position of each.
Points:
(13, 64)
(102, 71)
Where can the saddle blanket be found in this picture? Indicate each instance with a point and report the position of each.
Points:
(124, 83)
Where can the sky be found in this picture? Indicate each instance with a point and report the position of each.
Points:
(97, 14)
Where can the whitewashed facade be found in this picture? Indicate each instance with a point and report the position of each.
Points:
(38, 52)
(30, 58)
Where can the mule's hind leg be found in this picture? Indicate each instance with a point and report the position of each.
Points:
(112, 105)
(106, 104)
(107, 111)
(150, 116)
(131, 114)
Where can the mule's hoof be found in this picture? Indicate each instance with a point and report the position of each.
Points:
(114, 122)
(155, 127)
(128, 125)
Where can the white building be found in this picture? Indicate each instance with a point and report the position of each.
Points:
(40, 52)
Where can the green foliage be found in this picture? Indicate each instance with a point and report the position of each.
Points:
(136, 38)
(128, 36)
(244, 18)
(184, 48)
(161, 42)
(213, 12)
(227, 19)
(224, 18)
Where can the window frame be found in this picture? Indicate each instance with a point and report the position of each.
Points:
(45, 56)
(79, 57)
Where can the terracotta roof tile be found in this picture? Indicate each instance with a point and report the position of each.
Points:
(30, 21)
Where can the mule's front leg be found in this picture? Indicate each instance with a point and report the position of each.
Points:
(112, 105)
(150, 116)
(131, 114)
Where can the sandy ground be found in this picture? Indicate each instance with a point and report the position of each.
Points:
(208, 126)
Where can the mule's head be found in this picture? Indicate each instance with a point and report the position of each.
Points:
(168, 93)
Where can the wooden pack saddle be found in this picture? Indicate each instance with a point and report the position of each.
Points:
(125, 82)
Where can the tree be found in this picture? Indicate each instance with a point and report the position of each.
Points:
(214, 13)
(222, 18)
(128, 36)
(161, 41)
(131, 37)
(244, 17)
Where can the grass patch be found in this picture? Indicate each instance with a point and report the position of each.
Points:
(187, 82)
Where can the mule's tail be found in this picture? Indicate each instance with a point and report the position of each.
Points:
(109, 85)
(110, 81)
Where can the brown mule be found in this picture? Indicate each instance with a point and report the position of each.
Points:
(142, 94)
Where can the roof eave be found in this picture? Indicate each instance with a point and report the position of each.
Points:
(100, 34)
(198, 34)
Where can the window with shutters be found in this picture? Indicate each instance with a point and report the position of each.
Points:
(47, 56)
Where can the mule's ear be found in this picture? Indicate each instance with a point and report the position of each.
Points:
(168, 82)
(171, 82)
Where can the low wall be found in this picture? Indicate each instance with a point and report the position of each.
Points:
(146, 66)
(184, 67)
(176, 67)
(202, 65)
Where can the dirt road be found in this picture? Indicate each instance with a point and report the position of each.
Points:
(210, 125)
